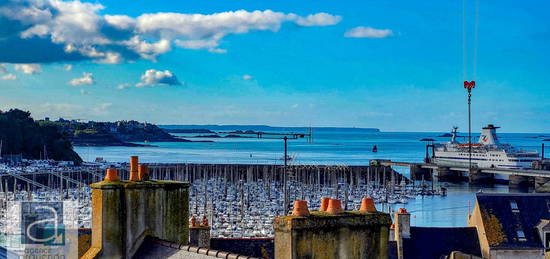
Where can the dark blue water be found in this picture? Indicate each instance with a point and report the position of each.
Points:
(330, 146)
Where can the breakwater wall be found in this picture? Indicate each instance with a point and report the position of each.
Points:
(308, 174)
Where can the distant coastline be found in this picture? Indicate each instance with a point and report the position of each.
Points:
(214, 128)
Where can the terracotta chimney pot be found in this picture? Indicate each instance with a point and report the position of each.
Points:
(204, 221)
(367, 205)
(300, 209)
(192, 221)
(402, 211)
(134, 176)
(334, 207)
(143, 172)
(324, 204)
(111, 175)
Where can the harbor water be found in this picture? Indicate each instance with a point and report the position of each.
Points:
(329, 147)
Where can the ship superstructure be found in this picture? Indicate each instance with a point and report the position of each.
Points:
(487, 153)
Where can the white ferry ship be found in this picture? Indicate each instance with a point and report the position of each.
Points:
(487, 153)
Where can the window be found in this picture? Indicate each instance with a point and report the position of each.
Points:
(548, 205)
(514, 206)
(521, 236)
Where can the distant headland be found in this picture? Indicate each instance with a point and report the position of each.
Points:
(119, 133)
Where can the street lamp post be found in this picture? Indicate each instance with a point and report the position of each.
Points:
(469, 86)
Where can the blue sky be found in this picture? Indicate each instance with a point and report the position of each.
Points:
(296, 65)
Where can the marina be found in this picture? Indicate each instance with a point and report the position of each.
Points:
(239, 200)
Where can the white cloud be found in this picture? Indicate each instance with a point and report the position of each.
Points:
(196, 44)
(146, 49)
(37, 30)
(68, 67)
(86, 79)
(78, 31)
(123, 86)
(122, 22)
(318, 19)
(247, 77)
(367, 32)
(9, 77)
(29, 68)
(111, 58)
(154, 77)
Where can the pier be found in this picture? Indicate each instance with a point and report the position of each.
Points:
(538, 177)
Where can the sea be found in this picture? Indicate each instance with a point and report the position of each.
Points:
(328, 146)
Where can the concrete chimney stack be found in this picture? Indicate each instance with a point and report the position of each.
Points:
(124, 213)
(403, 223)
(402, 229)
(199, 234)
(332, 234)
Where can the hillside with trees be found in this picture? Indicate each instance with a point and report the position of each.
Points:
(120, 133)
(21, 134)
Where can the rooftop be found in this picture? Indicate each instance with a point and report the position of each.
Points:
(510, 219)
(429, 242)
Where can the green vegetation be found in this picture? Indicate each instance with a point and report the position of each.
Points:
(20, 134)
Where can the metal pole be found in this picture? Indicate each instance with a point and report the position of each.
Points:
(285, 179)
(469, 131)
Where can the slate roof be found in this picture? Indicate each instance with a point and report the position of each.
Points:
(256, 247)
(428, 243)
(497, 212)
(156, 248)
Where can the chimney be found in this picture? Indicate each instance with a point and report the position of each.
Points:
(334, 207)
(143, 172)
(403, 223)
(331, 234)
(402, 229)
(324, 204)
(199, 234)
(134, 175)
(300, 209)
(367, 205)
(124, 213)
